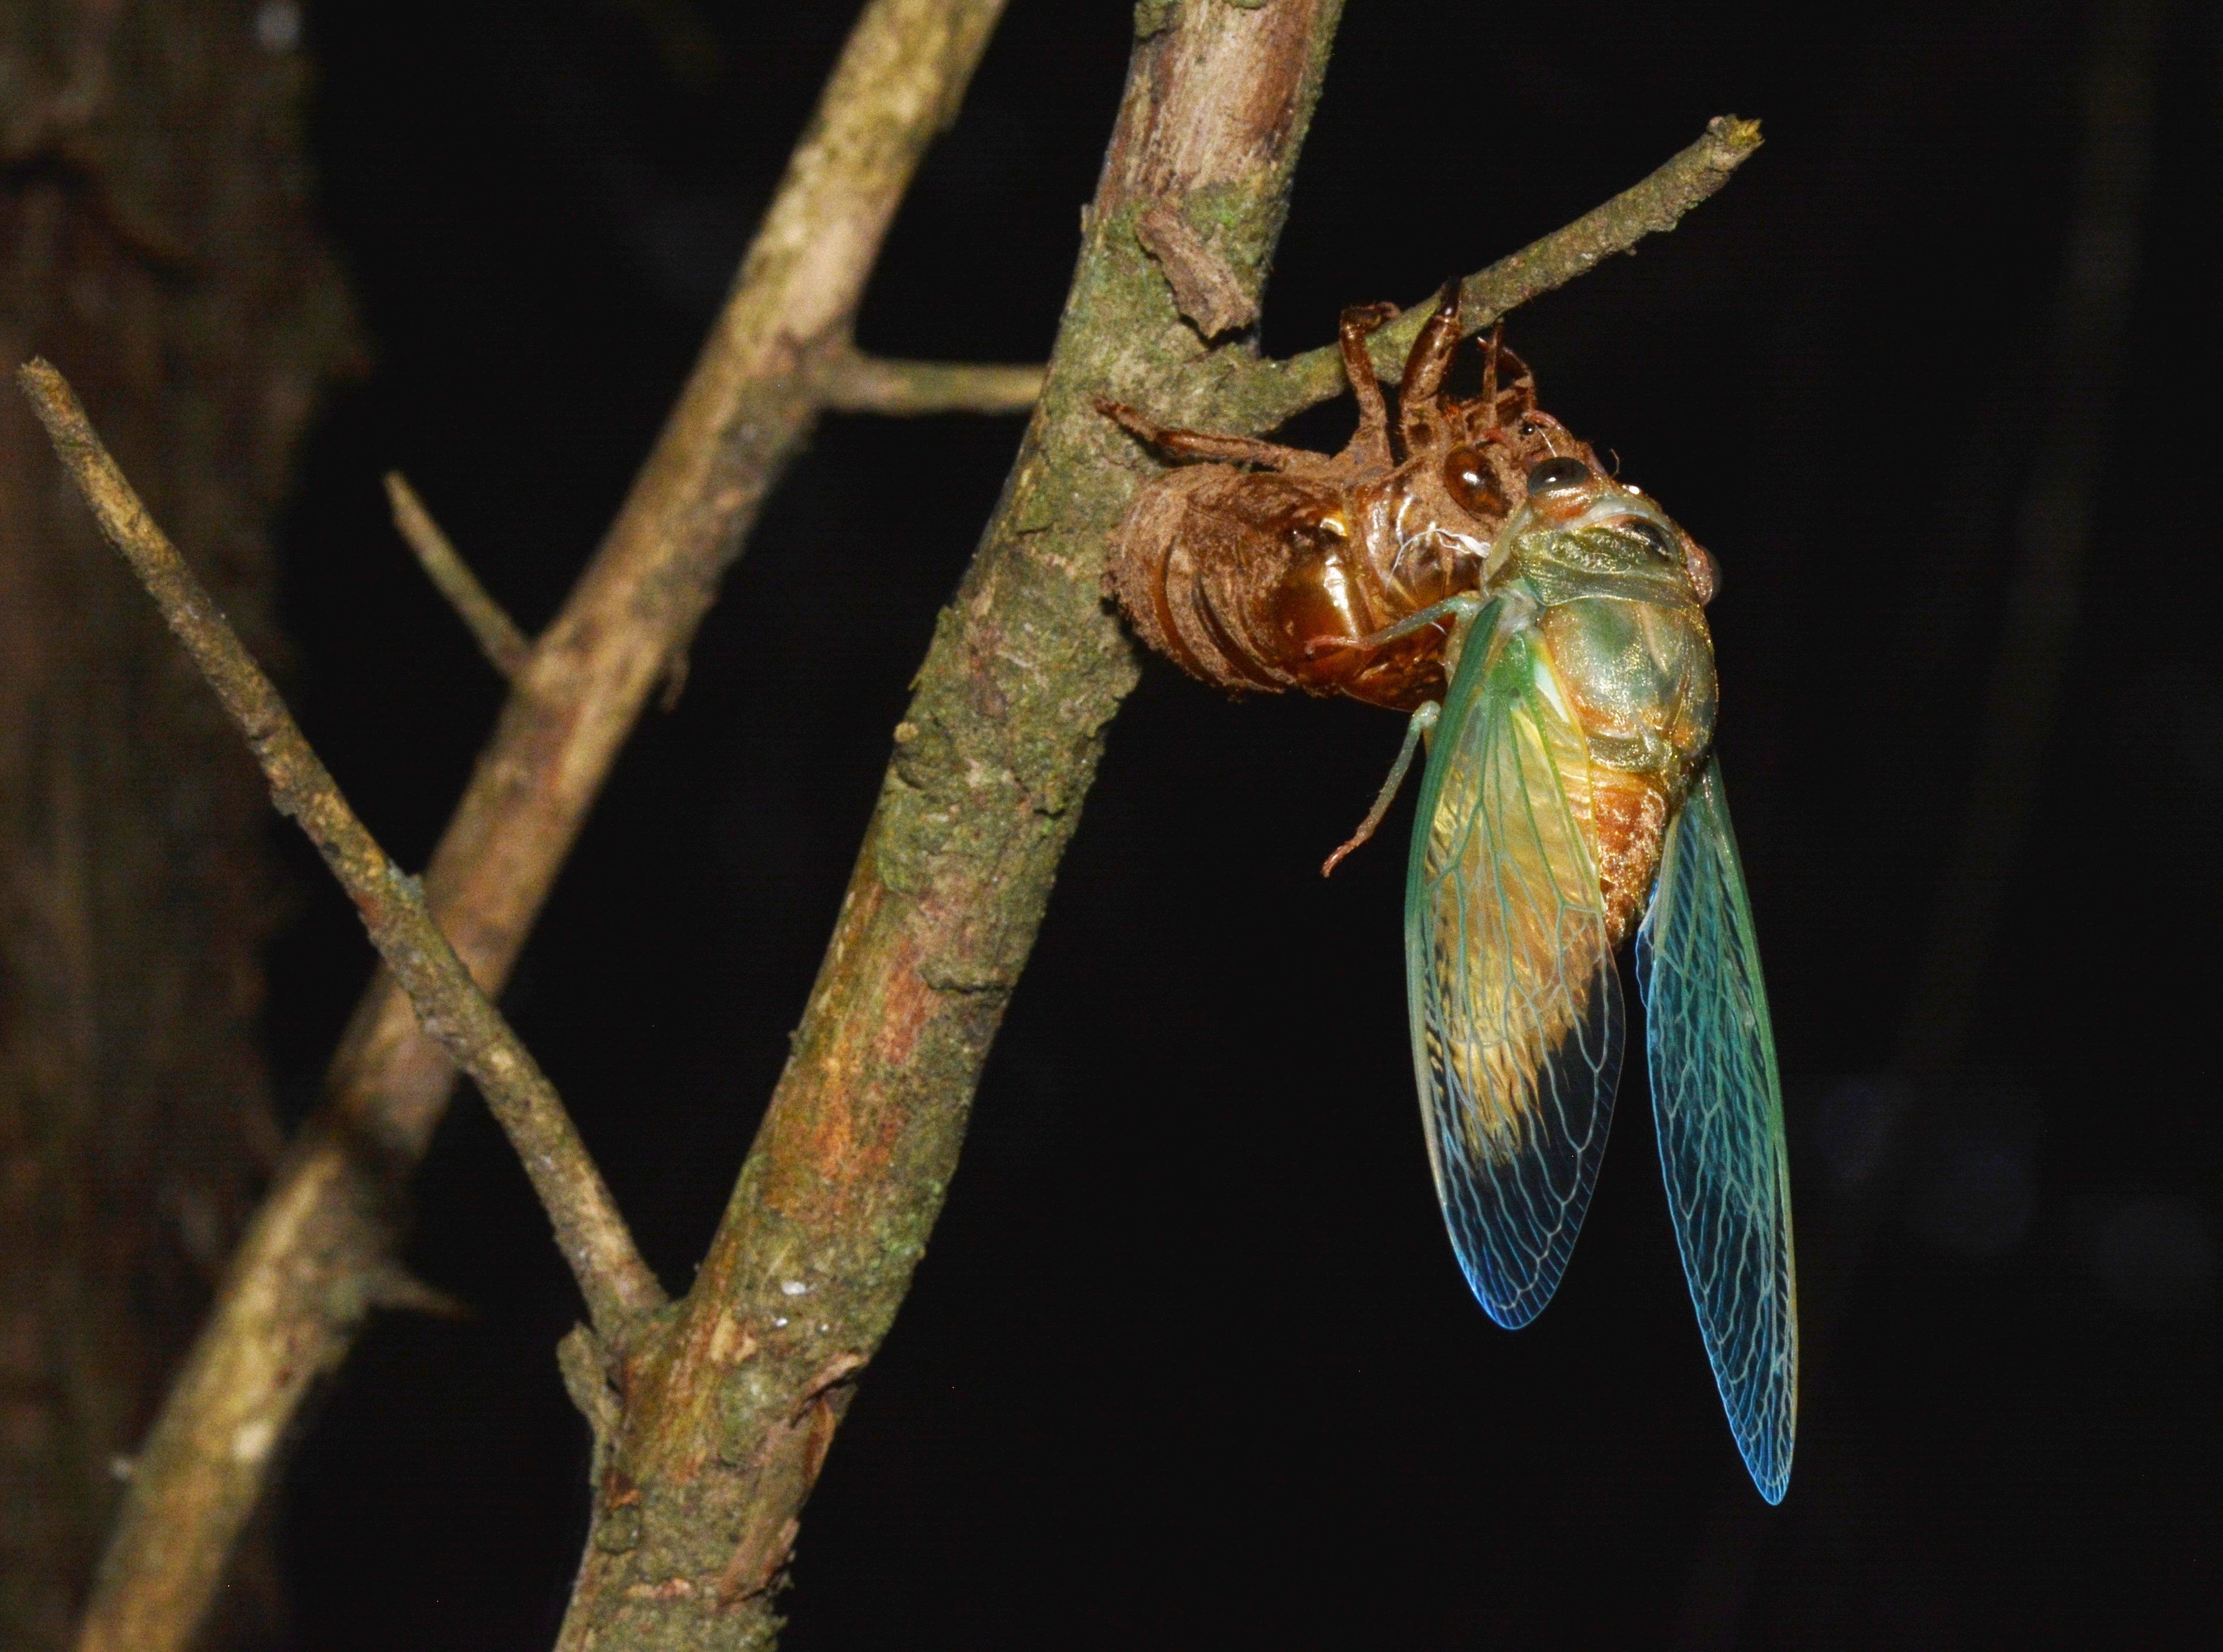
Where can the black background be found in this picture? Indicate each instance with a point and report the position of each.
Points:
(1188, 1363)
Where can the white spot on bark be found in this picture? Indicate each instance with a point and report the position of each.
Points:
(252, 1442)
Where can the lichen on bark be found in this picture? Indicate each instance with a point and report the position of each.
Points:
(729, 1408)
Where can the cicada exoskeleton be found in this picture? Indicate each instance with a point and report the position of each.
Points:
(1260, 578)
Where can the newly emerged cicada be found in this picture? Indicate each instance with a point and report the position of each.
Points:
(1572, 796)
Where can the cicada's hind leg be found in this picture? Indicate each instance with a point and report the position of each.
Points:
(1419, 393)
(1422, 721)
(1203, 444)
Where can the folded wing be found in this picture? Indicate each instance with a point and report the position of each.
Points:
(1516, 1004)
(1719, 1108)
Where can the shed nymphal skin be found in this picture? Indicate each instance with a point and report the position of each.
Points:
(1262, 579)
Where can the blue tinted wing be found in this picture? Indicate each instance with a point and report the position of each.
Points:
(1719, 1108)
(1515, 1003)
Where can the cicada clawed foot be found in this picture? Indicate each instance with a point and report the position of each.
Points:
(1421, 722)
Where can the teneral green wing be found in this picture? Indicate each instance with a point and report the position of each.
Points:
(1516, 1004)
(1719, 1108)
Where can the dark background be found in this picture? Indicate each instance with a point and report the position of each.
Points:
(1189, 1363)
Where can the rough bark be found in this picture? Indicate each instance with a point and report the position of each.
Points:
(714, 1429)
(153, 238)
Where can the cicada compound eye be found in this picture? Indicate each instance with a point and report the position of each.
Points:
(1562, 489)
(1560, 476)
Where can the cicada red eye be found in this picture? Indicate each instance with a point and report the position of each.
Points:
(1562, 488)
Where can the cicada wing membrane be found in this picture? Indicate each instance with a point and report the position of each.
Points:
(1515, 1003)
(1718, 1104)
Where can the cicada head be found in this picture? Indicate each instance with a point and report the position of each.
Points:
(1575, 522)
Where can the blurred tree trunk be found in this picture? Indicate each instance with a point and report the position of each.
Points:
(154, 243)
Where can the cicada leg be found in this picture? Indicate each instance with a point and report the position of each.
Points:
(1421, 721)
(1203, 444)
(1370, 443)
(1419, 394)
(1458, 610)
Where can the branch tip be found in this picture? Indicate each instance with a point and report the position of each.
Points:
(851, 382)
(497, 635)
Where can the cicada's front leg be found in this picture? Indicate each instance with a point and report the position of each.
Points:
(1420, 723)
(1419, 393)
(1461, 610)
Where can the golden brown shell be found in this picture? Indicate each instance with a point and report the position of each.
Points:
(1260, 578)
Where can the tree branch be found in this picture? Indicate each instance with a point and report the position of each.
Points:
(729, 1405)
(296, 1290)
(491, 627)
(1261, 396)
(853, 383)
(593, 1236)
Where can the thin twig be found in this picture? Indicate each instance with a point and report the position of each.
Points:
(492, 628)
(616, 1283)
(851, 382)
(1270, 393)
(294, 1292)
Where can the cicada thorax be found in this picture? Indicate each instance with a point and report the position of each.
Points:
(1619, 590)
(1265, 579)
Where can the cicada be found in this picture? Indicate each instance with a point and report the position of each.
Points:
(1572, 796)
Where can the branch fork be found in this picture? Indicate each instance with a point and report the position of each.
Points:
(616, 1284)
